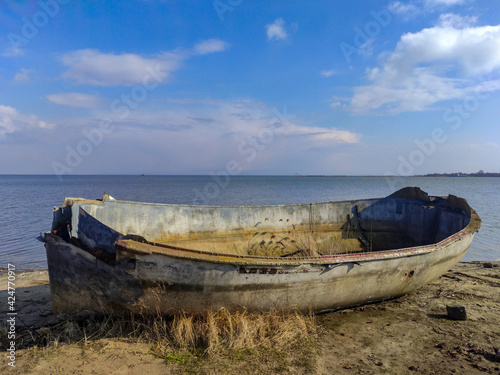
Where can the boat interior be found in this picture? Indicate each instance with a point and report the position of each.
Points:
(407, 218)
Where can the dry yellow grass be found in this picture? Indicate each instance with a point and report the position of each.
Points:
(216, 331)
(301, 243)
(210, 334)
(293, 241)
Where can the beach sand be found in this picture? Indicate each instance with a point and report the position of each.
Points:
(408, 335)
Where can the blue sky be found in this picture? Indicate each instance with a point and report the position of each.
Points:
(249, 87)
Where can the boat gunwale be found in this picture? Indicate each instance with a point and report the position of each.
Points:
(109, 199)
(113, 201)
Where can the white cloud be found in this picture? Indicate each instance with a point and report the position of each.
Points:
(92, 67)
(429, 66)
(247, 131)
(456, 21)
(433, 3)
(411, 9)
(257, 137)
(13, 51)
(276, 30)
(11, 121)
(23, 76)
(242, 118)
(331, 135)
(407, 10)
(366, 49)
(6, 122)
(76, 100)
(336, 104)
(328, 73)
(210, 46)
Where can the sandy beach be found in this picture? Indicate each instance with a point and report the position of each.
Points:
(408, 335)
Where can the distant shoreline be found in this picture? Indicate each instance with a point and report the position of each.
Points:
(460, 174)
(424, 175)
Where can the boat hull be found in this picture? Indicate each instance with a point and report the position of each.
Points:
(99, 262)
(158, 283)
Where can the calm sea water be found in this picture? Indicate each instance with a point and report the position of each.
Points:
(26, 202)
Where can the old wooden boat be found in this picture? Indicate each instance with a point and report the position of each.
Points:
(109, 255)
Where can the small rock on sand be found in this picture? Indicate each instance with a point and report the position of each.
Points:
(456, 312)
